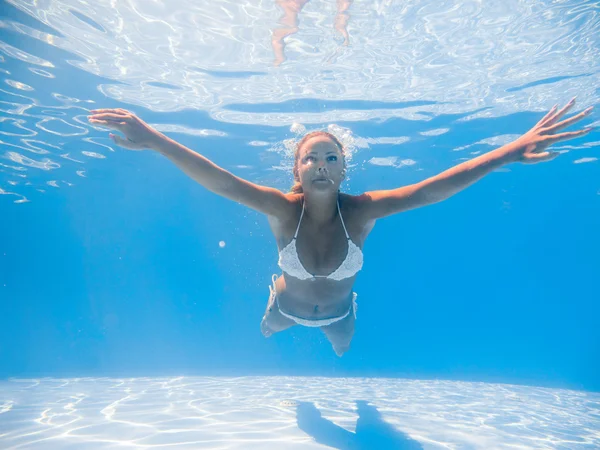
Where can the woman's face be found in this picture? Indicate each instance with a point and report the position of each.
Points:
(320, 164)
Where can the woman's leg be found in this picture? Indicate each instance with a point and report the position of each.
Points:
(340, 333)
(291, 9)
(341, 19)
(273, 321)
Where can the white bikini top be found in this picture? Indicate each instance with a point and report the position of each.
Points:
(290, 263)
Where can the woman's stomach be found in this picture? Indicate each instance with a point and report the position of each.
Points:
(314, 298)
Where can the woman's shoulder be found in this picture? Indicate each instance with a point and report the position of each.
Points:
(353, 206)
(351, 202)
(294, 202)
(294, 197)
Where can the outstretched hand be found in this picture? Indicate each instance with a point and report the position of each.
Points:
(138, 134)
(531, 147)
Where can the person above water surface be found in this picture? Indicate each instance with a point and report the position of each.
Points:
(289, 20)
(319, 230)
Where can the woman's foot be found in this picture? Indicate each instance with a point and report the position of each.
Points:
(340, 350)
(264, 328)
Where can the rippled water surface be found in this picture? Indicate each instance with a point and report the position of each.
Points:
(431, 67)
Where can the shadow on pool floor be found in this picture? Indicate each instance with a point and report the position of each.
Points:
(372, 432)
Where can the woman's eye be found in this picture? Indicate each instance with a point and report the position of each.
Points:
(310, 158)
(333, 158)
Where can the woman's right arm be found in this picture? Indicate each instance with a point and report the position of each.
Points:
(140, 136)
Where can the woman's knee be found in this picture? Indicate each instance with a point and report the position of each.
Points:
(273, 321)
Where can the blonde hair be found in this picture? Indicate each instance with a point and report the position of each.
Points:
(297, 186)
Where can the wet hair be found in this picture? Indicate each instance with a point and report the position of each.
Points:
(297, 186)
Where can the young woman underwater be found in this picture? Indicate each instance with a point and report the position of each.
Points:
(319, 231)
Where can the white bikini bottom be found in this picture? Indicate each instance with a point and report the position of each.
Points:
(310, 322)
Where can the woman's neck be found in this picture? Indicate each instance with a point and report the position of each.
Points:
(321, 207)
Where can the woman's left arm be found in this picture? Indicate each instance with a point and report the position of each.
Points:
(529, 149)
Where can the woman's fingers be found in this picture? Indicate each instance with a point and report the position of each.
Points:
(105, 110)
(547, 116)
(569, 135)
(533, 158)
(553, 116)
(110, 116)
(565, 123)
(560, 113)
(137, 134)
(120, 111)
(108, 124)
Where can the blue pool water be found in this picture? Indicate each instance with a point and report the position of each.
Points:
(128, 289)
